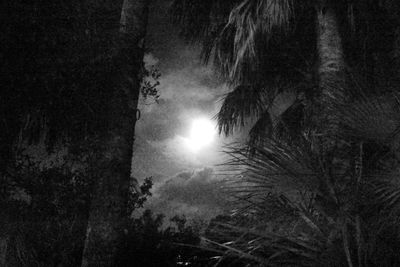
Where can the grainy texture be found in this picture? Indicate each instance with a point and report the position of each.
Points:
(108, 213)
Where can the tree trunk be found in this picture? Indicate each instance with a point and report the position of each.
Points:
(332, 85)
(331, 71)
(330, 50)
(108, 213)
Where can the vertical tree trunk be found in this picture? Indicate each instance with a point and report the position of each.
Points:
(331, 70)
(330, 50)
(108, 212)
(332, 84)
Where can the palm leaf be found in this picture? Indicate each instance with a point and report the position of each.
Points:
(384, 191)
(202, 21)
(259, 242)
(238, 30)
(289, 124)
(250, 24)
(242, 103)
(371, 118)
(238, 34)
(274, 167)
(261, 129)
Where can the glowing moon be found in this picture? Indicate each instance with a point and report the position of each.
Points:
(202, 134)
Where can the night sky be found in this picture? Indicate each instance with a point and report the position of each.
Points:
(184, 179)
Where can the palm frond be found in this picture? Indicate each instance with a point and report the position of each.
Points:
(238, 36)
(290, 123)
(284, 123)
(278, 241)
(274, 167)
(237, 31)
(384, 192)
(244, 102)
(197, 18)
(250, 26)
(371, 118)
(262, 129)
(202, 21)
(256, 102)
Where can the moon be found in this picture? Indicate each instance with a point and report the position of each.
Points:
(201, 135)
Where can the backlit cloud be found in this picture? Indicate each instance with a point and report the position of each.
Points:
(194, 193)
(188, 90)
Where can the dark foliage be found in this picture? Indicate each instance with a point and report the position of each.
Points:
(261, 54)
(46, 215)
(56, 66)
(150, 243)
(60, 68)
(308, 191)
(54, 201)
(265, 48)
(305, 203)
(58, 63)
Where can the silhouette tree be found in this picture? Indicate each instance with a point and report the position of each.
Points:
(263, 48)
(72, 76)
(109, 210)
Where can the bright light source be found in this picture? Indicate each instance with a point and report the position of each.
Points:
(202, 134)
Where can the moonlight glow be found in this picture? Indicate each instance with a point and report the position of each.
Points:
(202, 134)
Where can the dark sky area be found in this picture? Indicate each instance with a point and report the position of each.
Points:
(184, 180)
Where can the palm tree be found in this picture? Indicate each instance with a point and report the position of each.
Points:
(289, 221)
(265, 47)
(323, 186)
(108, 212)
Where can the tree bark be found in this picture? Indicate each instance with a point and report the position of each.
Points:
(331, 72)
(330, 50)
(332, 85)
(108, 214)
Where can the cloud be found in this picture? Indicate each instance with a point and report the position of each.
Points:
(188, 89)
(196, 194)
